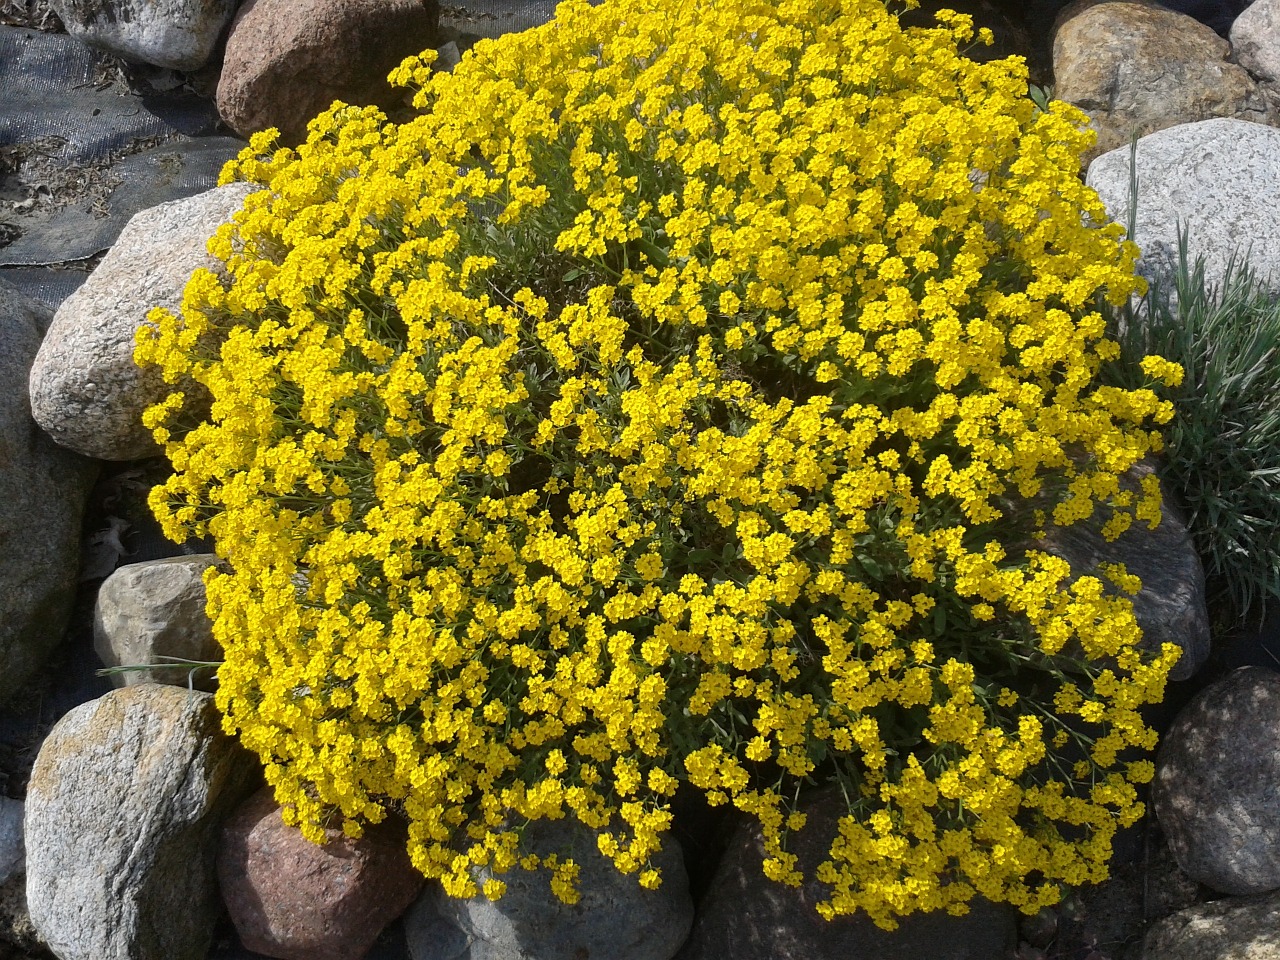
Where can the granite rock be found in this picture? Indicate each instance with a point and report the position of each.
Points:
(615, 917)
(1219, 179)
(1217, 779)
(86, 391)
(43, 492)
(150, 611)
(123, 808)
(177, 34)
(288, 60)
(296, 900)
(1255, 40)
(748, 917)
(1236, 928)
(1141, 68)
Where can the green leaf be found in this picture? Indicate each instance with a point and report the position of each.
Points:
(701, 556)
(871, 566)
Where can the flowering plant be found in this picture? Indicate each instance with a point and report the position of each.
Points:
(665, 402)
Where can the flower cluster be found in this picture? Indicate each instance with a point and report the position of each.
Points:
(676, 397)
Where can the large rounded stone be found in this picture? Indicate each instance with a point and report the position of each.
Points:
(147, 612)
(296, 900)
(178, 34)
(1141, 67)
(1237, 928)
(123, 808)
(1218, 782)
(1218, 179)
(288, 60)
(86, 391)
(615, 917)
(43, 491)
(1170, 607)
(749, 917)
(1255, 39)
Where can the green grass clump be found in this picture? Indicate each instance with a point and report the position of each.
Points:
(1222, 448)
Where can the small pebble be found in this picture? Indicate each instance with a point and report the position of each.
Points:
(1039, 931)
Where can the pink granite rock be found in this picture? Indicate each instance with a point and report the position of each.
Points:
(1133, 66)
(292, 899)
(288, 60)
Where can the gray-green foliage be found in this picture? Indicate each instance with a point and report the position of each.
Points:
(1040, 96)
(1222, 459)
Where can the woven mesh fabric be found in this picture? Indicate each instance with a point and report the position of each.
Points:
(492, 18)
(90, 153)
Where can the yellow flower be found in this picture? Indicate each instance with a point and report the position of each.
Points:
(653, 406)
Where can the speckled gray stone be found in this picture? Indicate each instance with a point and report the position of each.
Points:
(178, 34)
(86, 391)
(43, 490)
(153, 610)
(1217, 785)
(1255, 39)
(123, 809)
(1220, 178)
(1237, 928)
(615, 918)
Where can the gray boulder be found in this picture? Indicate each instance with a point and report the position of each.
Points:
(178, 34)
(615, 917)
(86, 391)
(1237, 928)
(123, 809)
(1141, 67)
(13, 851)
(1220, 179)
(150, 611)
(749, 917)
(1217, 777)
(1170, 607)
(43, 491)
(1255, 40)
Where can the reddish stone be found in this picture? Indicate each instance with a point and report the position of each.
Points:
(288, 60)
(292, 899)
